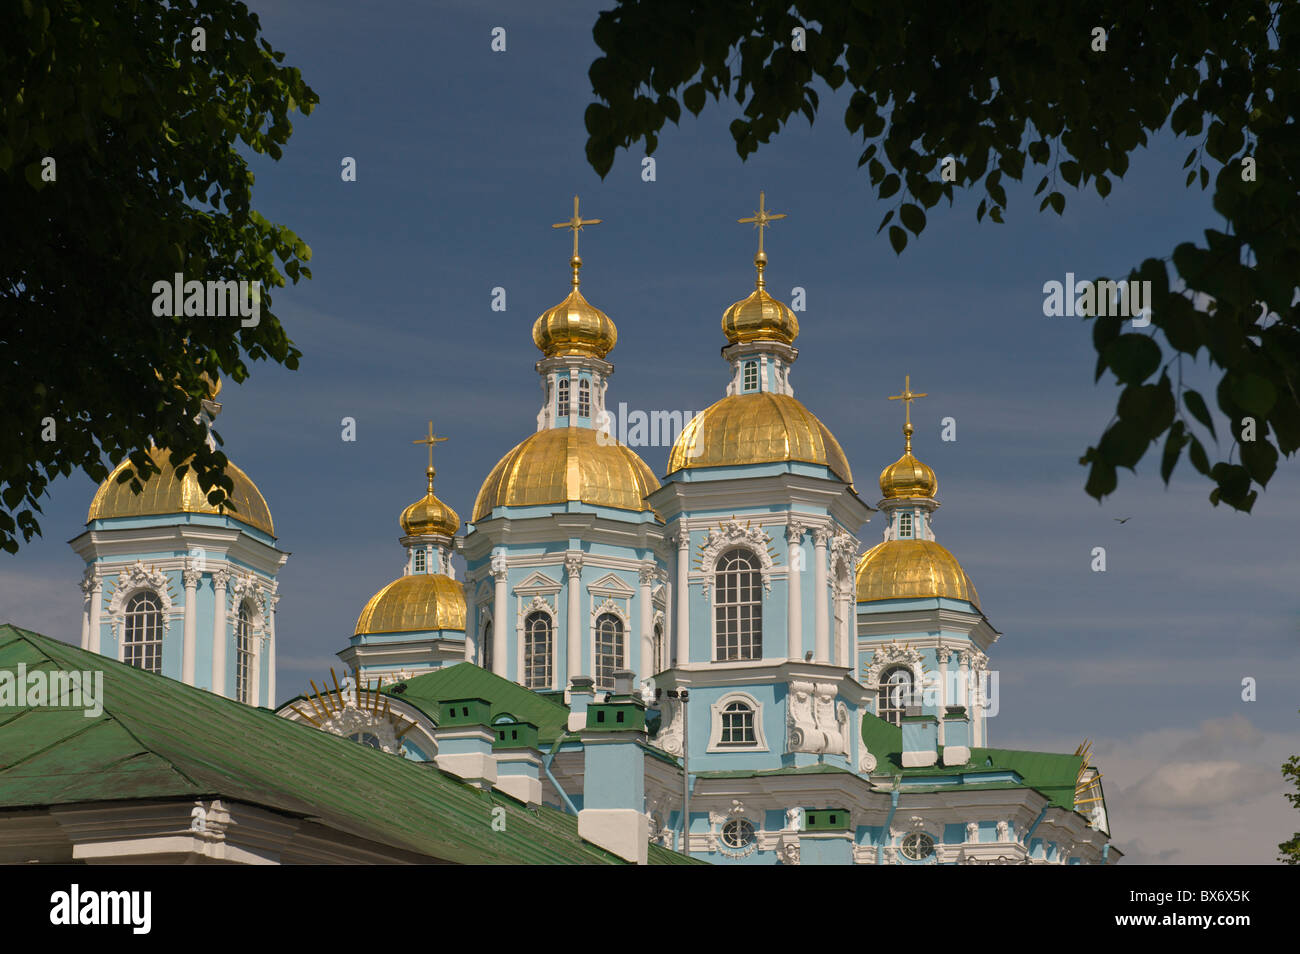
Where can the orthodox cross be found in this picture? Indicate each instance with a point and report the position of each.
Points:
(762, 219)
(907, 397)
(576, 223)
(430, 441)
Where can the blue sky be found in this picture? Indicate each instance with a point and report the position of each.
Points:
(465, 157)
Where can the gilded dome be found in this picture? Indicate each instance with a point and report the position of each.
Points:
(760, 317)
(420, 602)
(429, 515)
(163, 494)
(754, 429)
(909, 569)
(575, 326)
(563, 464)
(908, 477)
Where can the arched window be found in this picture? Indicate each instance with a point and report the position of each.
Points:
(368, 739)
(485, 647)
(562, 398)
(738, 607)
(609, 649)
(584, 398)
(418, 562)
(750, 382)
(905, 525)
(244, 654)
(538, 652)
(659, 663)
(895, 695)
(737, 725)
(142, 643)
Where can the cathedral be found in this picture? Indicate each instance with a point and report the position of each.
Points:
(706, 663)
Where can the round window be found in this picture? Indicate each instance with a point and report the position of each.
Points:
(918, 846)
(737, 834)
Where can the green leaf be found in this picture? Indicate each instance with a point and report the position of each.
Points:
(898, 239)
(1254, 393)
(1196, 405)
(1132, 357)
(1196, 454)
(1058, 202)
(912, 217)
(1174, 443)
(693, 98)
(890, 186)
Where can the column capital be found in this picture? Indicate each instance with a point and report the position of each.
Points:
(821, 535)
(794, 532)
(90, 582)
(647, 575)
(190, 576)
(220, 579)
(573, 565)
(943, 654)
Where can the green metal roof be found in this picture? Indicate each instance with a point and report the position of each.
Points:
(821, 769)
(1051, 774)
(468, 681)
(158, 738)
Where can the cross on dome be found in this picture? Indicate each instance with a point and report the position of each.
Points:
(762, 219)
(430, 440)
(576, 223)
(907, 397)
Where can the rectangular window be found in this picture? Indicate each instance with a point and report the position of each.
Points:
(584, 398)
(562, 398)
(905, 525)
(751, 376)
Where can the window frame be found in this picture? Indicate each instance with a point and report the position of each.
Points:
(139, 651)
(245, 660)
(747, 586)
(717, 723)
(584, 398)
(885, 687)
(528, 681)
(562, 397)
(906, 525)
(749, 376)
(620, 633)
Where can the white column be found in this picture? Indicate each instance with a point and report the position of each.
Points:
(794, 608)
(573, 614)
(255, 670)
(472, 636)
(846, 625)
(822, 646)
(963, 683)
(648, 664)
(499, 628)
(96, 607)
(943, 655)
(683, 597)
(219, 581)
(190, 577)
(270, 649)
(977, 702)
(87, 597)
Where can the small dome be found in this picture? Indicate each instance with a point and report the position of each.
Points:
(429, 515)
(755, 429)
(163, 494)
(760, 317)
(563, 464)
(908, 477)
(575, 326)
(421, 602)
(911, 569)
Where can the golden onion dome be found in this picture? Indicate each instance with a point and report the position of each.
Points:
(760, 317)
(908, 477)
(420, 602)
(755, 429)
(163, 494)
(911, 569)
(567, 464)
(429, 515)
(575, 326)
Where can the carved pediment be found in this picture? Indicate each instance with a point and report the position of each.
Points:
(538, 583)
(611, 585)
